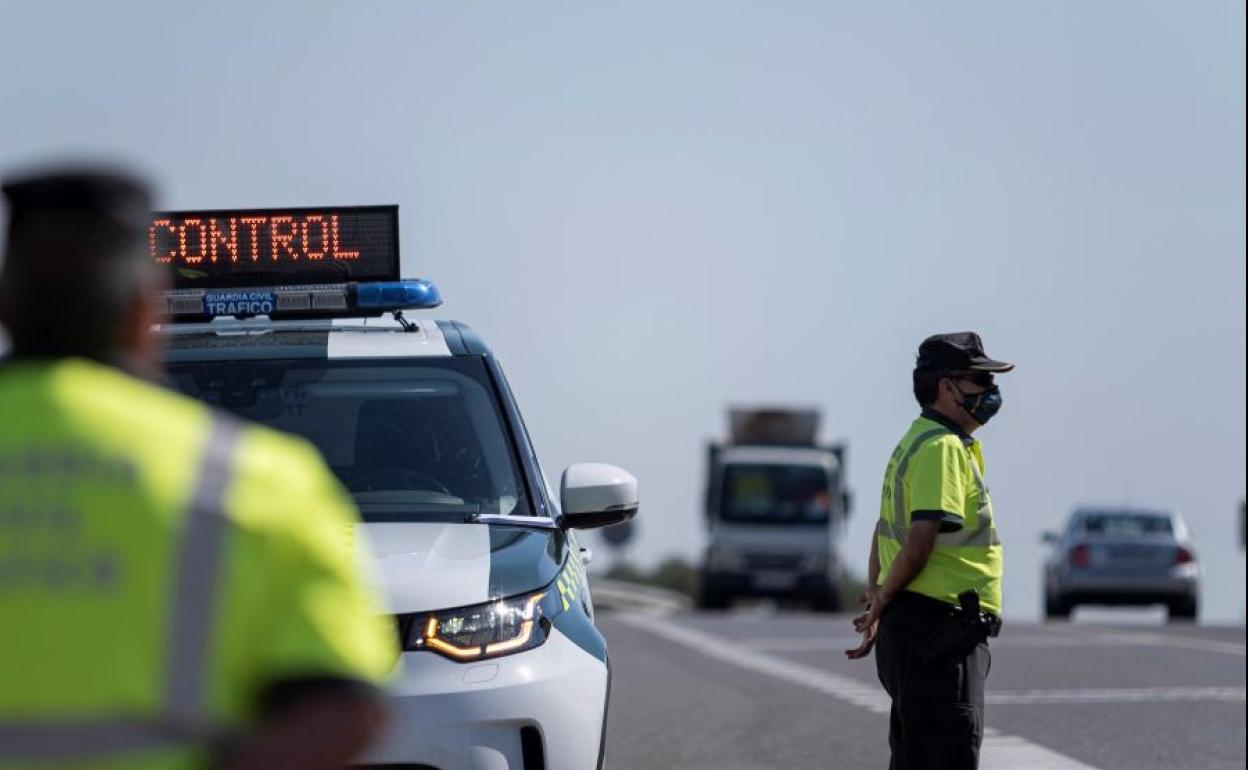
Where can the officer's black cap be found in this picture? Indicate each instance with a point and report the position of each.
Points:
(75, 259)
(959, 351)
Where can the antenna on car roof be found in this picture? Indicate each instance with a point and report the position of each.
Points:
(408, 326)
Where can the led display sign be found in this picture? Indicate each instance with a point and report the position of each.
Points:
(277, 247)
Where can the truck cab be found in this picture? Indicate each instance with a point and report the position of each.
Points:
(775, 505)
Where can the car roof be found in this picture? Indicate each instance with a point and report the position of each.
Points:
(1123, 511)
(1082, 514)
(225, 339)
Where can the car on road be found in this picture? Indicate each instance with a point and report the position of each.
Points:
(502, 666)
(1122, 556)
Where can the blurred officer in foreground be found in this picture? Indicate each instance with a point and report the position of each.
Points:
(934, 576)
(175, 587)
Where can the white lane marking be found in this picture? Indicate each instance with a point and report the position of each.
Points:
(845, 642)
(1119, 695)
(1002, 752)
(1178, 642)
(999, 752)
(798, 644)
(1007, 640)
(868, 696)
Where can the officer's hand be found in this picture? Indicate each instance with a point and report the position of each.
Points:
(868, 638)
(870, 597)
(868, 623)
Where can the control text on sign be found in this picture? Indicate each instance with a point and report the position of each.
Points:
(257, 247)
(192, 240)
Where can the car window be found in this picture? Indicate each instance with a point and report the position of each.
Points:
(776, 494)
(411, 440)
(1126, 524)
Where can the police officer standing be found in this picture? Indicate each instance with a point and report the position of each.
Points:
(175, 587)
(934, 574)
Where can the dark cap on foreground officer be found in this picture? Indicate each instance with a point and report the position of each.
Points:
(934, 573)
(75, 274)
(174, 585)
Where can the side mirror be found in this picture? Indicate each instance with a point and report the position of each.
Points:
(1050, 538)
(595, 495)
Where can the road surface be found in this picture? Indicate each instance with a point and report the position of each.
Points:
(753, 690)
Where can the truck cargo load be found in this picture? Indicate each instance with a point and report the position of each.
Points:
(775, 426)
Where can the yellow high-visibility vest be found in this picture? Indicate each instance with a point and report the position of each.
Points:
(933, 472)
(160, 566)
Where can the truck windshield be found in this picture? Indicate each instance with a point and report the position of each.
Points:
(776, 494)
(411, 440)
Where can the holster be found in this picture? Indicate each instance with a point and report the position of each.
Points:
(964, 627)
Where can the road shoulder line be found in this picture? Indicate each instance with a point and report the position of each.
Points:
(1175, 641)
(1000, 752)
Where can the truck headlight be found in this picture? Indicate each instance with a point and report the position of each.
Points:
(724, 558)
(500, 627)
(816, 562)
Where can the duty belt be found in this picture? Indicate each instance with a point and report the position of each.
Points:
(964, 627)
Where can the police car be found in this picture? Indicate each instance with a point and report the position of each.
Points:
(295, 319)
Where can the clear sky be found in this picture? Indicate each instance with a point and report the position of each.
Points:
(654, 209)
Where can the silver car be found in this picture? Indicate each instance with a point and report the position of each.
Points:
(1122, 556)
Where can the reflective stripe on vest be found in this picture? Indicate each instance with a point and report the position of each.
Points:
(983, 534)
(184, 718)
(899, 492)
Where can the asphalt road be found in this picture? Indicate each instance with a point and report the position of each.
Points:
(756, 691)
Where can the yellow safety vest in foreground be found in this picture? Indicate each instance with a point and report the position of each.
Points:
(933, 470)
(159, 567)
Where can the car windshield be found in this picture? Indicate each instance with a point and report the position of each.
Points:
(1126, 524)
(776, 494)
(411, 440)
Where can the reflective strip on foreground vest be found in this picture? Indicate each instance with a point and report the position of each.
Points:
(190, 622)
(983, 534)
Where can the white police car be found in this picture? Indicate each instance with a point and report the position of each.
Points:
(502, 666)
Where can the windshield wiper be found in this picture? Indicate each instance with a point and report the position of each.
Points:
(534, 522)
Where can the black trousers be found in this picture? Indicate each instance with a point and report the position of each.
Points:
(937, 719)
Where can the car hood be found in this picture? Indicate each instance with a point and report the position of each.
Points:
(422, 566)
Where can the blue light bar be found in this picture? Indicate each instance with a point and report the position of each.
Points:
(320, 301)
(397, 295)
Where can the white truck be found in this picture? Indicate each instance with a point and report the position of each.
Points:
(776, 502)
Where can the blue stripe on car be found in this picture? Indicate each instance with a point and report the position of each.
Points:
(523, 559)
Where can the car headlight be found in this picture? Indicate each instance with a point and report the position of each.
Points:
(500, 627)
